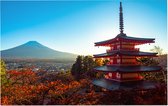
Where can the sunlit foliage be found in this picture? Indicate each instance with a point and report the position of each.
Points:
(25, 87)
(157, 49)
(3, 72)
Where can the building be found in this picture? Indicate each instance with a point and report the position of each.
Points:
(123, 71)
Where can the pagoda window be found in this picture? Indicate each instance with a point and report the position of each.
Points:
(118, 60)
(118, 75)
(118, 46)
(110, 75)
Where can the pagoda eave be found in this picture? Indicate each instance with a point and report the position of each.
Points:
(125, 53)
(125, 38)
(127, 69)
(97, 56)
(135, 85)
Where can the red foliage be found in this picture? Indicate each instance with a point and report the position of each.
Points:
(24, 87)
(25, 76)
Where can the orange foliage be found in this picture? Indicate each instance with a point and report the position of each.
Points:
(25, 76)
(28, 88)
(24, 87)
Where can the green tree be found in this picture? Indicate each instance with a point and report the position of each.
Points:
(77, 68)
(3, 73)
(89, 64)
(157, 49)
(83, 67)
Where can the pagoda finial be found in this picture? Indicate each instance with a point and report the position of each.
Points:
(121, 19)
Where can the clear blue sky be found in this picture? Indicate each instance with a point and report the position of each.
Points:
(74, 26)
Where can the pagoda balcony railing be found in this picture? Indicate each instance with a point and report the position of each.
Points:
(128, 49)
(125, 63)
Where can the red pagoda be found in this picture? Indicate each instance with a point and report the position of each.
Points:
(123, 71)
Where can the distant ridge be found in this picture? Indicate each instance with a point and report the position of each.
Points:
(35, 50)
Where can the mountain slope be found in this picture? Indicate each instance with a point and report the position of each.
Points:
(35, 50)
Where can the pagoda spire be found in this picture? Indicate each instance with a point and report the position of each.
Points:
(121, 19)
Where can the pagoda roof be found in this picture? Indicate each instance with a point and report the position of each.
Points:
(127, 69)
(124, 37)
(124, 52)
(134, 85)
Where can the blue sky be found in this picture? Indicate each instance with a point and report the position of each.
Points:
(74, 26)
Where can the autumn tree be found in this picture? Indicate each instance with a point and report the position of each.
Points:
(98, 62)
(3, 72)
(157, 49)
(105, 61)
(23, 92)
(146, 61)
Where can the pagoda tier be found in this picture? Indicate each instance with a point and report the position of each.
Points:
(136, 85)
(125, 73)
(127, 69)
(124, 53)
(125, 39)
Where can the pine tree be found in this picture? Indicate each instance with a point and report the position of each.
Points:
(77, 68)
(83, 67)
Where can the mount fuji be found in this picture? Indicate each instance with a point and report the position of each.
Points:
(35, 50)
